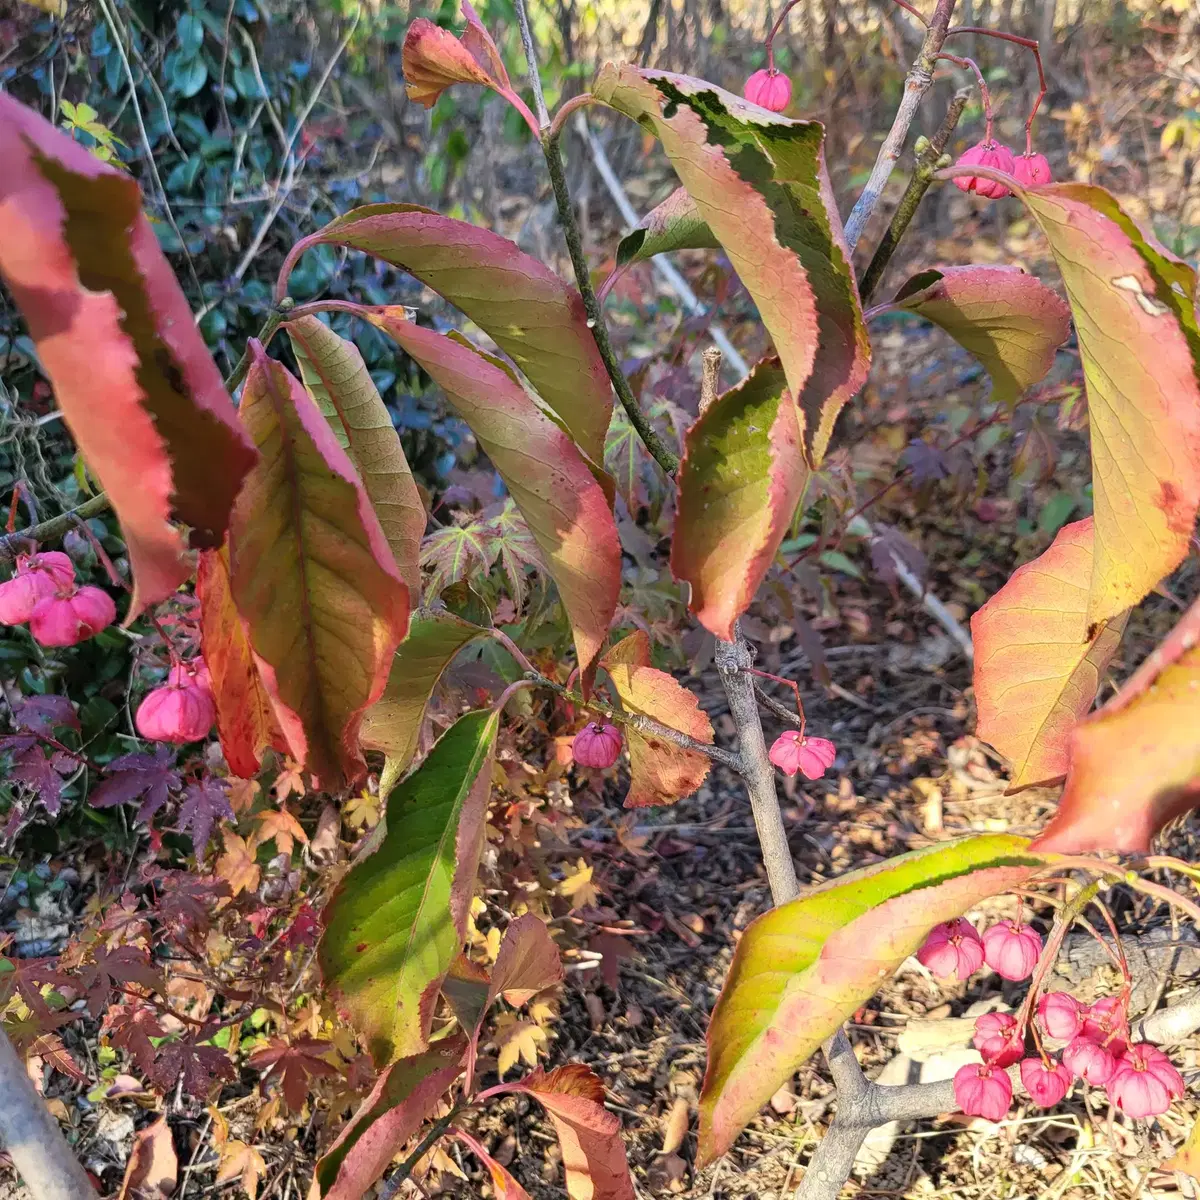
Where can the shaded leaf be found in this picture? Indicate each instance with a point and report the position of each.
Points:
(403, 1097)
(740, 480)
(801, 969)
(660, 771)
(296, 1063)
(393, 724)
(759, 183)
(111, 969)
(925, 461)
(528, 962)
(312, 576)
(246, 721)
(891, 549)
(1008, 320)
(204, 802)
(535, 318)
(191, 1064)
(516, 1041)
(398, 918)
(137, 387)
(152, 777)
(153, 1169)
(504, 1186)
(338, 380)
(1037, 669)
(1134, 305)
(455, 553)
(45, 714)
(675, 224)
(1135, 764)
(588, 1134)
(553, 486)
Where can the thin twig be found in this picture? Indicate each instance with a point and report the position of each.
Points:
(395, 1182)
(531, 58)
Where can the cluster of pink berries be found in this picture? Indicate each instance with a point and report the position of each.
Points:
(44, 592)
(1029, 170)
(769, 89)
(183, 709)
(1138, 1077)
(597, 745)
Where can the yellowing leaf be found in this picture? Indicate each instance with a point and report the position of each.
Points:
(244, 1163)
(237, 866)
(515, 1040)
(1037, 670)
(578, 887)
(278, 825)
(362, 811)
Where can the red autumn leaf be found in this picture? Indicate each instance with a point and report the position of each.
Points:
(1037, 665)
(528, 962)
(246, 722)
(204, 803)
(152, 777)
(111, 969)
(433, 59)
(137, 387)
(42, 771)
(1135, 764)
(504, 1186)
(153, 1166)
(189, 1063)
(312, 576)
(296, 1063)
(660, 771)
(589, 1135)
(130, 1026)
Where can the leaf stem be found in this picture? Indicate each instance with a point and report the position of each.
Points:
(566, 109)
(275, 318)
(1030, 44)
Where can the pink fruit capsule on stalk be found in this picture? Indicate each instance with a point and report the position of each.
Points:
(1046, 1082)
(38, 576)
(1144, 1082)
(1106, 1022)
(1089, 1060)
(1059, 1014)
(176, 712)
(983, 1091)
(812, 757)
(952, 950)
(597, 745)
(1012, 950)
(1031, 170)
(770, 89)
(67, 618)
(985, 154)
(998, 1039)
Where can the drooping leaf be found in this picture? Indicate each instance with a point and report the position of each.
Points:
(433, 59)
(312, 576)
(660, 771)
(1135, 764)
(246, 720)
(1134, 305)
(528, 962)
(504, 1186)
(1012, 323)
(338, 380)
(137, 387)
(404, 1095)
(675, 224)
(536, 318)
(295, 1062)
(398, 918)
(153, 1168)
(759, 183)
(549, 480)
(393, 724)
(589, 1135)
(740, 480)
(1037, 668)
(801, 969)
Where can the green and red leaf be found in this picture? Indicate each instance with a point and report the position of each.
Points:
(1135, 764)
(336, 377)
(551, 483)
(760, 186)
(246, 721)
(137, 387)
(398, 919)
(312, 576)
(1008, 320)
(1038, 667)
(803, 968)
(536, 318)
(1135, 313)
(740, 480)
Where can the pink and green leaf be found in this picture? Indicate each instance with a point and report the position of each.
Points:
(1007, 319)
(336, 377)
(1038, 667)
(531, 314)
(398, 919)
(801, 969)
(312, 576)
(137, 387)
(504, 1186)
(740, 480)
(760, 186)
(675, 224)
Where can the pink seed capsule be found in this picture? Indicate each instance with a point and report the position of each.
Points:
(1046, 1082)
(983, 1091)
(997, 1038)
(597, 745)
(769, 89)
(175, 713)
(1144, 1082)
(985, 154)
(1012, 950)
(952, 950)
(1089, 1060)
(811, 756)
(1058, 1013)
(67, 618)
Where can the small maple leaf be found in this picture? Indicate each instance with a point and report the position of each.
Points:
(279, 825)
(926, 462)
(454, 553)
(511, 543)
(185, 903)
(130, 1027)
(123, 920)
(577, 885)
(203, 803)
(150, 776)
(242, 794)
(237, 866)
(290, 780)
(42, 771)
(241, 1162)
(188, 1062)
(31, 978)
(49, 1047)
(45, 714)
(516, 1040)
(111, 969)
(362, 811)
(295, 1063)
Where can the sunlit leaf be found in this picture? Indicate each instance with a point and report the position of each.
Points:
(1037, 666)
(741, 478)
(535, 318)
(312, 576)
(1135, 764)
(803, 968)
(399, 917)
(138, 389)
(1009, 321)
(759, 183)
(338, 380)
